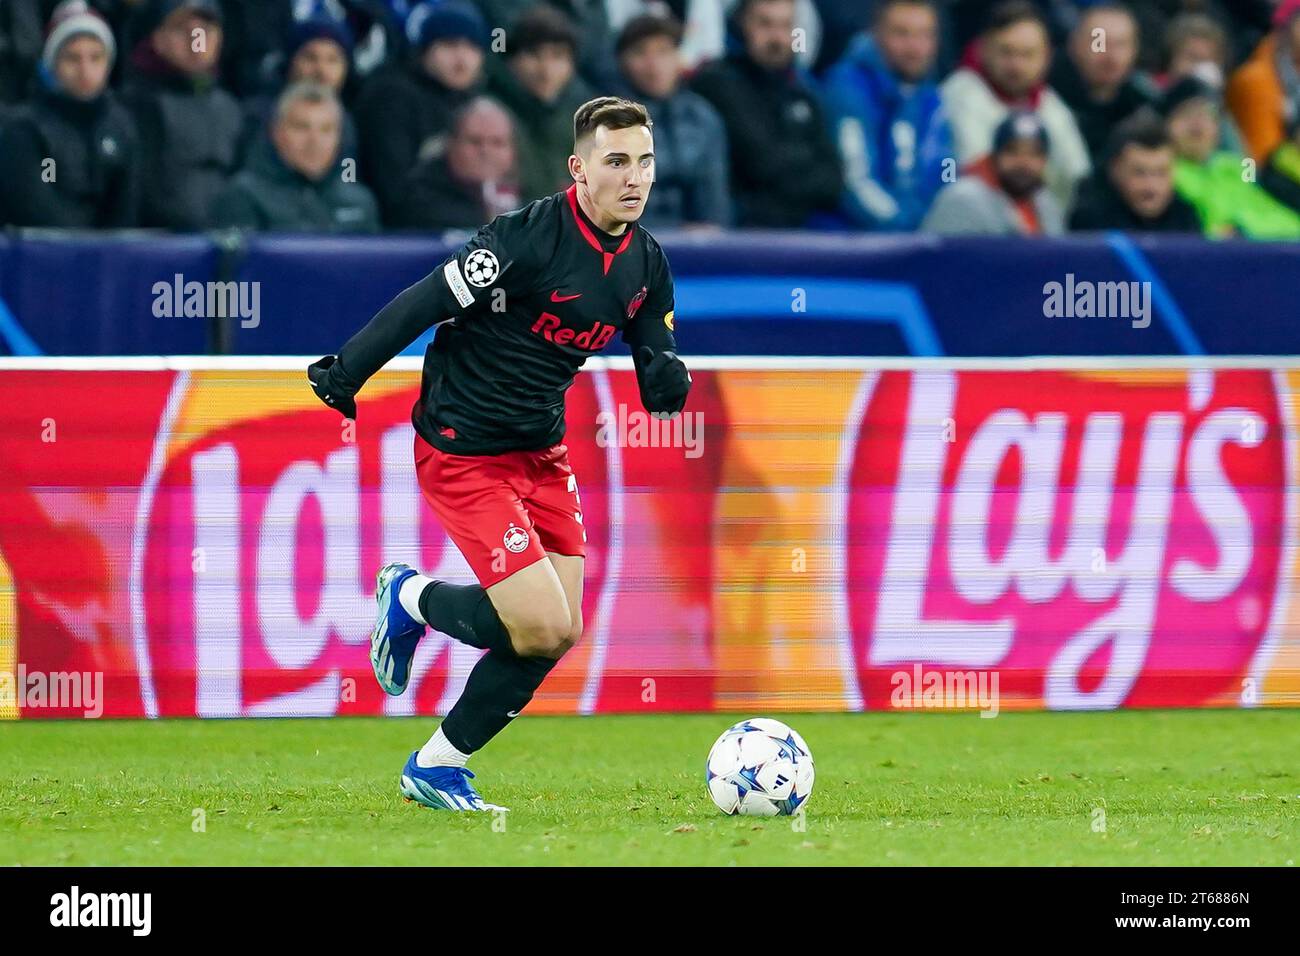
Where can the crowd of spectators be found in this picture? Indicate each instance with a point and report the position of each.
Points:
(992, 117)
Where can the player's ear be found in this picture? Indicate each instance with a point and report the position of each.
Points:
(577, 168)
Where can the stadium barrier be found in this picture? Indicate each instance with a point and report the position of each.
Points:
(200, 537)
(747, 293)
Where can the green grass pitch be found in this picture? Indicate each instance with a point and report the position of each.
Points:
(1127, 788)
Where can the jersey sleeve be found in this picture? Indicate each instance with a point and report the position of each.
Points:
(500, 260)
(653, 324)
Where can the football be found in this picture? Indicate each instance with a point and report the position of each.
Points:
(759, 767)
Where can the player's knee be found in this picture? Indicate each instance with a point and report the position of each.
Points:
(575, 632)
(543, 634)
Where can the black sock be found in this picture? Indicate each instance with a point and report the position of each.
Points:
(465, 612)
(499, 687)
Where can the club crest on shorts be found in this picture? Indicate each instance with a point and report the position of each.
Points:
(515, 539)
(481, 267)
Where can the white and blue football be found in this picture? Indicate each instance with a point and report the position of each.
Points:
(760, 767)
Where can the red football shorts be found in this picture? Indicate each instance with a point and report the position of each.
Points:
(504, 512)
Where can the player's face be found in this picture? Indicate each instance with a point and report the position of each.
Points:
(619, 170)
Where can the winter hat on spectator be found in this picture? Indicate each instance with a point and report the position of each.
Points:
(318, 28)
(447, 20)
(1018, 126)
(74, 18)
(153, 12)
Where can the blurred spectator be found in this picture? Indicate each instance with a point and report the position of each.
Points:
(593, 33)
(1135, 189)
(1009, 72)
(404, 115)
(1192, 40)
(967, 19)
(253, 31)
(783, 161)
(1246, 21)
(317, 51)
(1262, 92)
(21, 27)
(380, 38)
(840, 24)
(887, 117)
(1097, 76)
(541, 89)
(68, 157)
(704, 24)
(691, 168)
(711, 27)
(1281, 174)
(1214, 180)
(295, 183)
(189, 126)
(1198, 45)
(1005, 193)
(473, 182)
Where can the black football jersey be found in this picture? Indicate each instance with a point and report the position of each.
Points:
(520, 308)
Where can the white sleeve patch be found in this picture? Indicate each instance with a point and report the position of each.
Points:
(456, 282)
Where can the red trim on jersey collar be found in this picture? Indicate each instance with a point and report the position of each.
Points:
(572, 193)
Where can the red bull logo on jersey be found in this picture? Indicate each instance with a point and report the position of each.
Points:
(594, 339)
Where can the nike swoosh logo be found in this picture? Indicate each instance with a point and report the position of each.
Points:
(512, 713)
(556, 297)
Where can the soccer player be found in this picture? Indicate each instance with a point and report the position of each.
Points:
(532, 296)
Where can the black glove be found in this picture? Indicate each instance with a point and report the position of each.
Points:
(665, 381)
(333, 387)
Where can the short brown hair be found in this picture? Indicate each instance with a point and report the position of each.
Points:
(1142, 129)
(540, 25)
(1013, 13)
(1195, 26)
(648, 25)
(613, 112)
